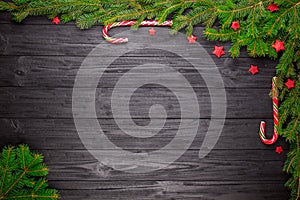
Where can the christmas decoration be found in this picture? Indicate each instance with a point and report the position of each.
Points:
(262, 127)
(235, 25)
(21, 173)
(56, 20)
(129, 23)
(279, 149)
(260, 27)
(279, 46)
(152, 31)
(290, 84)
(192, 39)
(272, 7)
(253, 69)
(219, 51)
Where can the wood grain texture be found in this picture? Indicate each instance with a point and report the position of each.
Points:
(73, 165)
(38, 65)
(184, 190)
(54, 134)
(58, 71)
(171, 191)
(57, 102)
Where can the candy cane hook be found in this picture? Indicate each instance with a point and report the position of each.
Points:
(262, 127)
(129, 23)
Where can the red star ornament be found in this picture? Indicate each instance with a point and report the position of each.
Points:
(152, 31)
(235, 25)
(219, 51)
(192, 39)
(272, 7)
(279, 149)
(56, 20)
(278, 46)
(253, 69)
(290, 84)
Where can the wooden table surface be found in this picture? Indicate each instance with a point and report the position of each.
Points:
(38, 65)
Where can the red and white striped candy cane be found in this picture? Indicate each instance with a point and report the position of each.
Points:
(262, 127)
(129, 23)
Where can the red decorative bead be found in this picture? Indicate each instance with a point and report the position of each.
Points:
(219, 51)
(152, 31)
(192, 39)
(253, 69)
(56, 20)
(235, 25)
(279, 149)
(272, 7)
(290, 84)
(278, 46)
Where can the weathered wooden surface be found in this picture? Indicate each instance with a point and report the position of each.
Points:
(38, 65)
(61, 134)
(60, 71)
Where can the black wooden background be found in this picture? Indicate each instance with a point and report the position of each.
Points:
(38, 65)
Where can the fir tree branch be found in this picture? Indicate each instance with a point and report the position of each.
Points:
(9, 150)
(128, 16)
(298, 164)
(22, 175)
(24, 166)
(240, 9)
(281, 16)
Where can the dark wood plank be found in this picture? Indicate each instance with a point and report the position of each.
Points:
(54, 134)
(43, 71)
(233, 162)
(170, 190)
(57, 102)
(260, 166)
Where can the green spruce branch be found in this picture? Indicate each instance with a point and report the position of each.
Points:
(259, 29)
(22, 175)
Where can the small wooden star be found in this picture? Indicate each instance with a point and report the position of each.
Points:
(219, 51)
(290, 84)
(253, 69)
(279, 149)
(56, 20)
(235, 25)
(278, 46)
(192, 39)
(152, 31)
(272, 7)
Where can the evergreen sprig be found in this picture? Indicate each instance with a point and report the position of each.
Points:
(259, 29)
(22, 175)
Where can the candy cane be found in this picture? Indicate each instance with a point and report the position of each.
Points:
(262, 127)
(129, 23)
